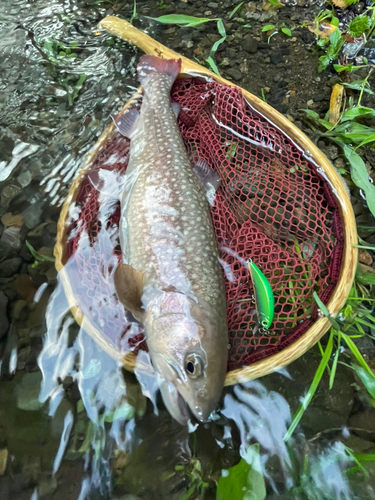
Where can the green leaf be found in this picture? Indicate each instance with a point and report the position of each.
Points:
(221, 29)
(365, 457)
(367, 380)
(335, 38)
(212, 65)
(245, 480)
(312, 389)
(235, 10)
(371, 138)
(268, 27)
(324, 62)
(275, 2)
(335, 361)
(335, 21)
(359, 25)
(286, 31)
(356, 112)
(339, 68)
(358, 356)
(325, 311)
(360, 177)
(358, 85)
(38, 256)
(134, 14)
(186, 21)
(326, 124)
(311, 113)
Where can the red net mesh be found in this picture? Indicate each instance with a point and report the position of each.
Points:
(273, 207)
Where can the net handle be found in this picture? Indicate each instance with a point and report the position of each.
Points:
(128, 32)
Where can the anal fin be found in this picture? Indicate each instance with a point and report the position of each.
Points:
(176, 108)
(209, 179)
(129, 289)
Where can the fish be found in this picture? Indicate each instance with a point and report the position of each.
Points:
(169, 276)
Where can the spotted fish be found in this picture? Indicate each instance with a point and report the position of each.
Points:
(170, 278)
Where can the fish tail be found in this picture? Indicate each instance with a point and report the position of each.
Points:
(152, 64)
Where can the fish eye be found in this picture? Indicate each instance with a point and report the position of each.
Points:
(193, 365)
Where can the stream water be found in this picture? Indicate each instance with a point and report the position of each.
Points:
(73, 424)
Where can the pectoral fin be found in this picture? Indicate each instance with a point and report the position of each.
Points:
(209, 179)
(129, 288)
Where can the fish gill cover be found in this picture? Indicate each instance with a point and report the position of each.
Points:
(272, 207)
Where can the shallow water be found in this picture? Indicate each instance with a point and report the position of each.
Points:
(84, 428)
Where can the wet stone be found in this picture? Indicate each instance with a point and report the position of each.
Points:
(19, 310)
(24, 287)
(276, 57)
(234, 73)
(23, 357)
(364, 257)
(25, 178)
(33, 215)
(9, 193)
(9, 220)
(12, 237)
(319, 97)
(4, 323)
(364, 420)
(250, 45)
(10, 267)
(27, 392)
(51, 276)
(358, 209)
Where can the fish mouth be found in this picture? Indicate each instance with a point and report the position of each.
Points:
(175, 403)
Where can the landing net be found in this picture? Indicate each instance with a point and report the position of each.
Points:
(273, 206)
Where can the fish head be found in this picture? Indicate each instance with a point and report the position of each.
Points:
(188, 345)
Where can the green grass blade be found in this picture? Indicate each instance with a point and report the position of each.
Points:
(212, 65)
(335, 361)
(367, 380)
(134, 15)
(325, 311)
(312, 389)
(187, 21)
(235, 10)
(358, 356)
(221, 29)
(370, 138)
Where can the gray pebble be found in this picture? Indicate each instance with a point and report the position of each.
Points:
(10, 267)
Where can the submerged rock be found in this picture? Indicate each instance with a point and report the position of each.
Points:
(33, 215)
(10, 220)
(12, 237)
(25, 178)
(27, 392)
(9, 193)
(4, 323)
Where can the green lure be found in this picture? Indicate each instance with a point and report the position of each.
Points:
(264, 299)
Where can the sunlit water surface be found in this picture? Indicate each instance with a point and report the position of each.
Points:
(60, 80)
